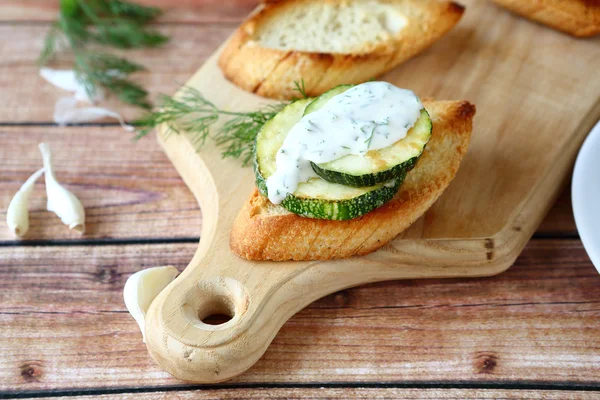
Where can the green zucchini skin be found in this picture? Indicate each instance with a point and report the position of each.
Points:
(367, 179)
(326, 205)
(332, 172)
(420, 133)
(337, 210)
(261, 183)
(341, 210)
(278, 122)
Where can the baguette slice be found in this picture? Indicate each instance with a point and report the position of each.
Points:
(326, 43)
(263, 231)
(580, 18)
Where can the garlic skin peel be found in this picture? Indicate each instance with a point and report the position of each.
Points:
(60, 200)
(17, 214)
(67, 80)
(142, 287)
(67, 112)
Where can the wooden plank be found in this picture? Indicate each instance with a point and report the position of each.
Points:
(64, 324)
(559, 220)
(176, 11)
(29, 98)
(129, 189)
(348, 393)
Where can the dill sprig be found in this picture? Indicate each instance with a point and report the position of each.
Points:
(368, 141)
(299, 87)
(192, 113)
(142, 14)
(111, 23)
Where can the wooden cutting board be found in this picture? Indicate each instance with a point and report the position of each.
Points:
(537, 95)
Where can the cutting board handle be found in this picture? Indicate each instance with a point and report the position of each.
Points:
(257, 296)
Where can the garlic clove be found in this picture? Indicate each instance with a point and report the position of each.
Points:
(60, 200)
(67, 112)
(67, 80)
(17, 214)
(142, 287)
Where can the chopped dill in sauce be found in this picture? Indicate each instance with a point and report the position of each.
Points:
(366, 117)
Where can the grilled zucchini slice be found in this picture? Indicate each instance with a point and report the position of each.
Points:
(375, 166)
(316, 198)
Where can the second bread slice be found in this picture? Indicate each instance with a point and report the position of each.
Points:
(330, 42)
(580, 18)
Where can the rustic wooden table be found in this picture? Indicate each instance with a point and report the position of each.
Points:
(532, 332)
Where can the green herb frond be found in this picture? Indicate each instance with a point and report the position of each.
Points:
(192, 113)
(50, 44)
(238, 134)
(299, 87)
(113, 23)
(141, 14)
(127, 35)
(113, 65)
(368, 141)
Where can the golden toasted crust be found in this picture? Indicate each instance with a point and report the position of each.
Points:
(272, 72)
(352, 70)
(580, 18)
(263, 231)
(310, 66)
(246, 64)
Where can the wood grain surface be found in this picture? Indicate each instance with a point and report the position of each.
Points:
(176, 11)
(529, 333)
(30, 98)
(65, 325)
(130, 189)
(345, 393)
(559, 221)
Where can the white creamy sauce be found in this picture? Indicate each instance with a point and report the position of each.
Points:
(366, 117)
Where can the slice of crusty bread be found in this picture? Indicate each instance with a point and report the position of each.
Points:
(330, 42)
(579, 18)
(263, 231)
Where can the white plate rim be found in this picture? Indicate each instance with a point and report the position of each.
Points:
(589, 154)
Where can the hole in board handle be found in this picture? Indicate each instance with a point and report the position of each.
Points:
(216, 319)
(216, 311)
(215, 304)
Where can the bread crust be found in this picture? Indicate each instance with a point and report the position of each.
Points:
(272, 72)
(310, 66)
(579, 18)
(263, 231)
(248, 65)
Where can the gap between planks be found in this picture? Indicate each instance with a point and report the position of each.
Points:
(167, 240)
(416, 390)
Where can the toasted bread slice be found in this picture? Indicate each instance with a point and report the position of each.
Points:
(326, 43)
(580, 18)
(263, 231)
